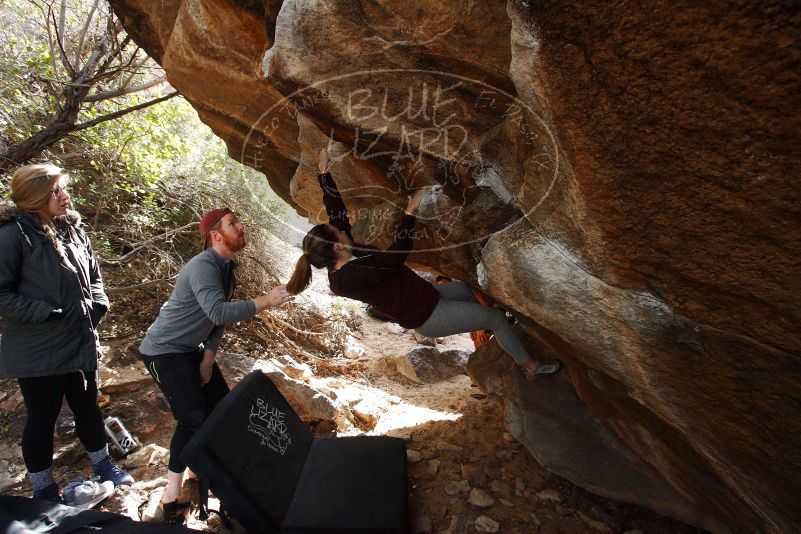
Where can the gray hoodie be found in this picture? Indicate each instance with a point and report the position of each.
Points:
(198, 309)
(34, 282)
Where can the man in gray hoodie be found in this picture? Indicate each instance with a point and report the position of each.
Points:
(180, 347)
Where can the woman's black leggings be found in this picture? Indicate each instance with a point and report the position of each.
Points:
(43, 397)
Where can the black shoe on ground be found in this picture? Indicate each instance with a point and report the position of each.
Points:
(50, 493)
(175, 512)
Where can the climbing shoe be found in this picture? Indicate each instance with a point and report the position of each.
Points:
(108, 470)
(544, 367)
(548, 367)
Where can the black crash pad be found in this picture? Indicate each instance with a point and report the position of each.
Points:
(21, 514)
(273, 475)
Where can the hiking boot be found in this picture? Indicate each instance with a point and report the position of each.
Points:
(108, 470)
(86, 494)
(174, 513)
(50, 493)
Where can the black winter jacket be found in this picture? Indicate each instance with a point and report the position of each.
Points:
(34, 282)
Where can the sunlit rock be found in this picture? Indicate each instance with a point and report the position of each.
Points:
(621, 179)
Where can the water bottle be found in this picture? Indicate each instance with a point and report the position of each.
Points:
(122, 442)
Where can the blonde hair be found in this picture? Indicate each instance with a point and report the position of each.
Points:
(32, 186)
(31, 190)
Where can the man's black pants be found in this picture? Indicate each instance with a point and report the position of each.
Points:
(178, 377)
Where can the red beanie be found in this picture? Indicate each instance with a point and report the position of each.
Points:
(210, 219)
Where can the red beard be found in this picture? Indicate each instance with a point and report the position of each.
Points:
(235, 244)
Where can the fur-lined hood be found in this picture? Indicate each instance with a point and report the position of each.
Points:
(9, 211)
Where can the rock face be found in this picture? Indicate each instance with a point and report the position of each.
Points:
(622, 179)
(426, 365)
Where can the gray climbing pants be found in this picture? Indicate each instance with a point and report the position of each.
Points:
(459, 312)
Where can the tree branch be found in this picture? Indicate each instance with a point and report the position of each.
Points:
(135, 68)
(296, 330)
(261, 264)
(105, 95)
(145, 243)
(102, 69)
(46, 15)
(84, 31)
(113, 290)
(117, 71)
(120, 113)
(62, 53)
(34, 145)
(62, 17)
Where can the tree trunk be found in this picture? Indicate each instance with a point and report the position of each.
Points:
(63, 125)
(33, 146)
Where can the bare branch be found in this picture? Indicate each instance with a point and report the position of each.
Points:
(136, 68)
(120, 113)
(105, 95)
(261, 264)
(59, 41)
(291, 327)
(177, 199)
(50, 43)
(62, 16)
(90, 67)
(34, 145)
(131, 70)
(113, 290)
(146, 242)
(103, 71)
(84, 31)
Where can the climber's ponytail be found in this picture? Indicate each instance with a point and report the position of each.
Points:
(318, 251)
(301, 277)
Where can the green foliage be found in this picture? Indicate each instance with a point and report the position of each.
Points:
(25, 64)
(135, 176)
(133, 153)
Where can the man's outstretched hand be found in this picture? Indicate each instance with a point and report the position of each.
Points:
(278, 296)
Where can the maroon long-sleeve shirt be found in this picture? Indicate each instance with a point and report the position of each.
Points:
(379, 277)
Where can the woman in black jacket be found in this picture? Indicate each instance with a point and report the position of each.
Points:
(380, 279)
(51, 296)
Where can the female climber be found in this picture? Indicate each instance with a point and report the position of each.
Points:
(380, 278)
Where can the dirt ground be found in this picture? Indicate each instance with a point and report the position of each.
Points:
(459, 435)
(465, 471)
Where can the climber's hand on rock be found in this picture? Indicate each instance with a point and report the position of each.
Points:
(325, 159)
(415, 199)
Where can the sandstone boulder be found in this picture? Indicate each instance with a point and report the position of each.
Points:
(123, 379)
(426, 365)
(309, 403)
(620, 178)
